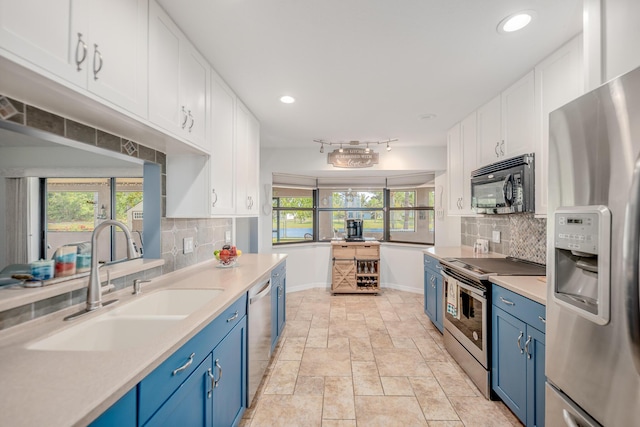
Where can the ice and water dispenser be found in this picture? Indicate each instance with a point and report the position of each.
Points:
(582, 241)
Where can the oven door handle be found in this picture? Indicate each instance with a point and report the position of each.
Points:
(507, 190)
(476, 292)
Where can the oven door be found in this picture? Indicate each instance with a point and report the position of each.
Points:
(469, 323)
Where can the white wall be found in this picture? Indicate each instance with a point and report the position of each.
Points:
(621, 36)
(3, 235)
(402, 267)
(448, 232)
(308, 265)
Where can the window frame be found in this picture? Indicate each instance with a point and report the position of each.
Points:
(275, 205)
(416, 209)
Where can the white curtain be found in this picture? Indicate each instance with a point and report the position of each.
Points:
(16, 220)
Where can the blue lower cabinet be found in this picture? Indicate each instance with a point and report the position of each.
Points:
(121, 414)
(518, 355)
(229, 392)
(535, 377)
(433, 298)
(190, 405)
(509, 364)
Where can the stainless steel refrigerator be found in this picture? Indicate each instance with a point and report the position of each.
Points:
(593, 223)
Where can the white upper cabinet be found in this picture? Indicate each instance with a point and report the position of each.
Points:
(247, 161)
(42, 34)
(506, 123)
(179, 79)
(518, 118)
(454, 170)
(468, 131)
(98, 45)
(490, 132)
(223, 180)
(559, 79)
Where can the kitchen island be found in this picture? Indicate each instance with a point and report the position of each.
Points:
(63, 388)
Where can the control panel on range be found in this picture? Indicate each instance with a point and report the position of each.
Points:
(581, 263)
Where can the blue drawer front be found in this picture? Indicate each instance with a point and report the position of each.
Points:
(160, 384)
(523, 308)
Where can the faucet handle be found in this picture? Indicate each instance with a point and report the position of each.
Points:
(136, 286)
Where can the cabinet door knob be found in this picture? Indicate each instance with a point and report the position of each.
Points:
(217, 382)
(96, 55)
(526, 346)
(193, 121)
(81, 44)
(213, 204)
(519, 346)
(186, 117)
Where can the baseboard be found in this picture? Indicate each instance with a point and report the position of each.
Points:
(327, 286)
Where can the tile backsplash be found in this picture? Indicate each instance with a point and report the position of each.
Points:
(521, 235)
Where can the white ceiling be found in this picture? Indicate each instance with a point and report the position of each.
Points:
(368, 69)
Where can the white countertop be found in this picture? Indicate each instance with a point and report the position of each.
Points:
(58, 388)
(531, 287)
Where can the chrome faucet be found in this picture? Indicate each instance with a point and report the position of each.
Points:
(94, 291)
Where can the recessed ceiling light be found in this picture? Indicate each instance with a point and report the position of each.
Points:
(428, 116)
(516, 21)
(287, 99)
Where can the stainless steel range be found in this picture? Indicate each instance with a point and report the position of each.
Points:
(467, 308)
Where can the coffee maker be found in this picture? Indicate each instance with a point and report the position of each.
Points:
(354, 229)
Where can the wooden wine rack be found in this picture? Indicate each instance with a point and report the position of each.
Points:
(356, 267)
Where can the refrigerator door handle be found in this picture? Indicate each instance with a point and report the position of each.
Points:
(569, 419)
(630, 257)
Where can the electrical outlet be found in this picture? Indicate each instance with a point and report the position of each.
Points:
(496, 237)
(227, 236)
(187, 245)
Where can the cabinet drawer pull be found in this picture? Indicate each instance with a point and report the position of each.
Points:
(234, 317)
(185, 366)
(526, 346)
(519, 346)
(506, 301)
(496, 149)
(216, 382)
(542, 319)
(502, 148)
(80, 44)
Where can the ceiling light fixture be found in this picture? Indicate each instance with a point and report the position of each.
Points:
(322, 143)
(286, 99)
(516, 21)
(428, 116)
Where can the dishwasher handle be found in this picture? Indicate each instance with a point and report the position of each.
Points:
(263, 292)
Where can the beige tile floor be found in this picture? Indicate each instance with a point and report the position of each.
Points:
(366, 361)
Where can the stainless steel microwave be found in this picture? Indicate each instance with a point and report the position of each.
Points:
(504, 187)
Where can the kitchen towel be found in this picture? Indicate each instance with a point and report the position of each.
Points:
(453, 295)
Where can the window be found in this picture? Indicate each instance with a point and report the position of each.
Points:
(404, 214)
(338, 205)
(75, 206)
(293, 215)
(412, 215)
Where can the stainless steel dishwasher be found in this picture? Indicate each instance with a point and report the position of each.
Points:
(259, 333)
